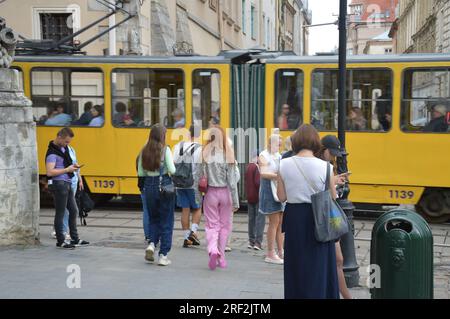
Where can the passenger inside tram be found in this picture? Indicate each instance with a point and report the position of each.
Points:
(58, 117)
(438, 123)
(132, 119)
(97, 116)
(283, 118)
(384, 111)
(86, 117)
(356, 120)
(294, 100)
(178, 118)
(119, 116)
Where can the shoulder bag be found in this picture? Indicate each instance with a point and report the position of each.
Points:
(168, 189)
(203, 181)
(330, 221)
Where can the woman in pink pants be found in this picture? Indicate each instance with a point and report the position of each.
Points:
(221, 198)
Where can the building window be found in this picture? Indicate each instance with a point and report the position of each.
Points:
(55, 26)
(264, 31)
(54, 23)
(387, 51)
(357, 11)
(244, 30)
(253, 22)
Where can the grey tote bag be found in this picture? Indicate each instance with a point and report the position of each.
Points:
(330, 221)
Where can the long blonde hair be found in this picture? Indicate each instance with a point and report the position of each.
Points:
(217, 136)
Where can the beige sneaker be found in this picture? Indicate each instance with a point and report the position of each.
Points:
(163, 261)
(150, 253)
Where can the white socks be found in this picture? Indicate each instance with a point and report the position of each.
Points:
(186, 234)
(194, 227)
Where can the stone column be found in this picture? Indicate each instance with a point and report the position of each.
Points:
(163, 36)
(19, 184)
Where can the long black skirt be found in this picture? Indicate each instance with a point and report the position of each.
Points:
(309, 266)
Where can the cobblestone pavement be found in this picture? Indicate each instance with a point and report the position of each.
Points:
(113, 266)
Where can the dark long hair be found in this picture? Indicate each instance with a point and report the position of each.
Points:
(152, 151)
(321, 154)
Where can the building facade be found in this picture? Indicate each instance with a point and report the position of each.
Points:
(422, 27)
(167, 27)
(369, 26)
(55, 19)
(302, 19)
(292, 17)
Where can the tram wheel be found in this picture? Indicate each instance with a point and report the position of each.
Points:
(434, 205)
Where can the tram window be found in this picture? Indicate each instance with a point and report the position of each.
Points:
(288, 99)
(205, 97)
(144, 97)
(369, 100)
(67, 97)
(426, 101)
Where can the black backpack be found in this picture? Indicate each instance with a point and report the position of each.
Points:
(85, 205)
(183, 176)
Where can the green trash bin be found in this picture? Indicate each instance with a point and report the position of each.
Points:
(401, 251)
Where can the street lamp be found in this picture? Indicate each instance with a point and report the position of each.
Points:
(347, 241)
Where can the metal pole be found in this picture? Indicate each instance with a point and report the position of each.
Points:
(342, 71)
(347, 242)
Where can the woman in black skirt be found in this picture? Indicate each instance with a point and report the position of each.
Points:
(309, 265)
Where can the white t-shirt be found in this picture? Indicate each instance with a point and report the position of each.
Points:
(298, 190)
(273, 161)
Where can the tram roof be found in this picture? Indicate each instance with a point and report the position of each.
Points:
(436, 57)
(229, 57)
(125, 59)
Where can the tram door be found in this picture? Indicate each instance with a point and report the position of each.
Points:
(247, 113)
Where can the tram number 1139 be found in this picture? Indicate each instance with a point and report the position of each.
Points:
(401, 194)
(104, 184)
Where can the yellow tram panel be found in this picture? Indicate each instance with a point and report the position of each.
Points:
(109, 152)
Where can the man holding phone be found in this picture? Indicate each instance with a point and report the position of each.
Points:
(60, 172)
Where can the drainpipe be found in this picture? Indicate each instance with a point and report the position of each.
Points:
(112, 33)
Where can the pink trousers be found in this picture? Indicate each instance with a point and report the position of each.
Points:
(217, 208)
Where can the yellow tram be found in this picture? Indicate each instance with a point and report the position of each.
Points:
(394, 158)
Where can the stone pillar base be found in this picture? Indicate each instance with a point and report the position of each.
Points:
(19, 183)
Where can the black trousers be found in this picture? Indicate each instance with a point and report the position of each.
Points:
(63, 197)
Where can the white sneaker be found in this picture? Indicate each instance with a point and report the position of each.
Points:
(163, 261)
(68, 237)
(227, 249)
(53, 234)
(275, 260)
(150, 253)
